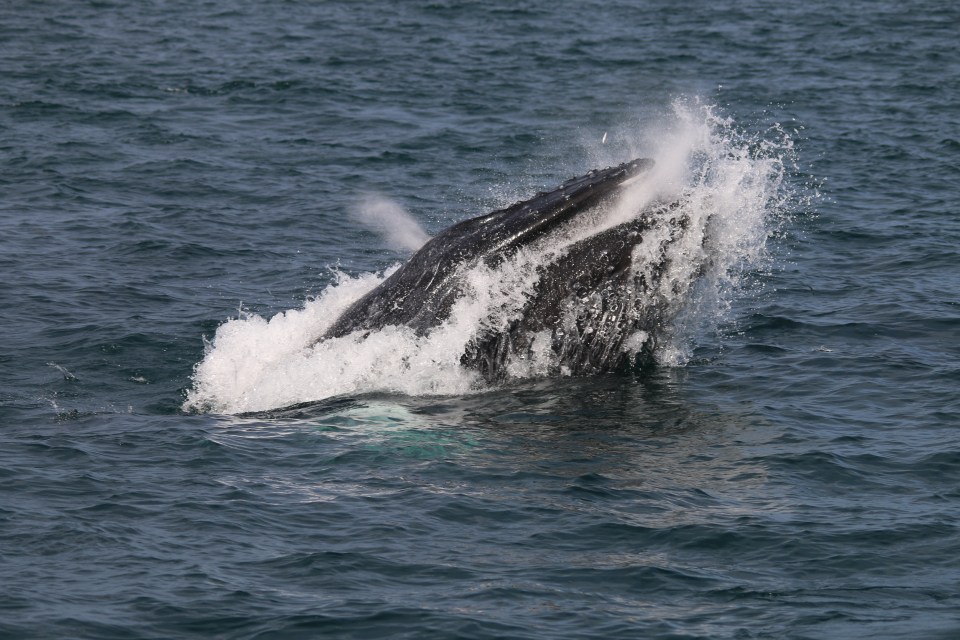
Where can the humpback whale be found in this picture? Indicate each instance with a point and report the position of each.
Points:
(598, 301)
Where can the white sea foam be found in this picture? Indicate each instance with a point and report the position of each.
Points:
(730, 189)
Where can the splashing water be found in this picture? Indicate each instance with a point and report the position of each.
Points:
(728, 187)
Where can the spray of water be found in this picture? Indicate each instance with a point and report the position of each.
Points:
(728, 186)
(395, 225)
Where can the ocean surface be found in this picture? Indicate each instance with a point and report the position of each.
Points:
(186, 196)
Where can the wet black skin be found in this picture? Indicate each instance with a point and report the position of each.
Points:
(588, 298)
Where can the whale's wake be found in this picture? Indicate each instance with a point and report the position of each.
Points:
(705, 211)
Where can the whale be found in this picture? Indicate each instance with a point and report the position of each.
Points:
(597, 300)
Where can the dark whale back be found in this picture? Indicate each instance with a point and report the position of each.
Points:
(421, 293)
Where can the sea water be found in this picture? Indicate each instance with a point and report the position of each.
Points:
(191, 192)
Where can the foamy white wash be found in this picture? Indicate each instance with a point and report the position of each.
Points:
(730, 188)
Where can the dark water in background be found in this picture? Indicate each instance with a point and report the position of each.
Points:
(165, 163)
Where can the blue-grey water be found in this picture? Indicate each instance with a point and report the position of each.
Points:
(168, 165)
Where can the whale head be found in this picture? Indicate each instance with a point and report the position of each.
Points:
(592, 299)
